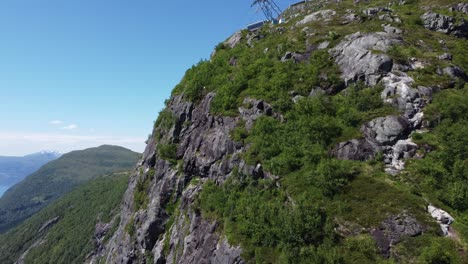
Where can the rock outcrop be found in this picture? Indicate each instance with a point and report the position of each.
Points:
(445, 24)
(205, 151)
(386, 131)
(234, 39)
(393, 229)
(358, 60)
(443, 218)
(461, 7)
(390, 135)
(322, 15)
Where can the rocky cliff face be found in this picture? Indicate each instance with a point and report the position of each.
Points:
(205, 151)
(190, 145)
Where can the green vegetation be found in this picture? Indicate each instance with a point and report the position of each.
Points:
(163, 124)
(70, 240)
(140, 195)
(168, 152)
(299, 216)
(292, 219)
(443, 173)
(58, 178)
(314, 126)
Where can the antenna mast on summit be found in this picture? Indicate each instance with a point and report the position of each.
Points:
(269, 8)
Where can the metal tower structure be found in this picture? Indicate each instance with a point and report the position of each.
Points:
(269, 8)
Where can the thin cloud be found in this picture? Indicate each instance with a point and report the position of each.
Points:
(12, 143)
(56, 122)
(70, 127)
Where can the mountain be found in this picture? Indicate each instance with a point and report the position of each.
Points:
(69, 229)
(14, 169)
(59, 177)
(337, 136)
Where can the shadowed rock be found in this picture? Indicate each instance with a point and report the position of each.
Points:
(393, 229)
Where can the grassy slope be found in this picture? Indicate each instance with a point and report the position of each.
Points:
(59, 177)
(263, 218)
(71, 239)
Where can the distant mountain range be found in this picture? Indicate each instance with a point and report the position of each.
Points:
(59, 177)
(14, 169)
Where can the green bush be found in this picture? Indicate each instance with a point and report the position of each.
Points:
(168, 152)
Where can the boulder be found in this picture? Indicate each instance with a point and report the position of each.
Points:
(293, 56)
(355, 149)
(386, 130)
(438, 22)
(443, 218)
(445, 56)
(392, 30)
(349, 17)
(455, 72)
(356, 60)
(393, 229)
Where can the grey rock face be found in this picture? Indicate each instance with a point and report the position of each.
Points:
(386, 130)
(254, 109)
(234, 40)
(445, 24)
(380, 135)
(292, 56)
(390, 135)
(356, 60)
(195, 240)
(399, 93)
(375, 10)
(455, 72)
(392, 30)
(356, 149)
(206, 151)
(402, 150)
(392, 229)
(438, 22)
(323, 15)
(382, 13)
(462, 7)
(445, 56)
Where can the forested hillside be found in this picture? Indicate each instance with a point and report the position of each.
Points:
(59, 177)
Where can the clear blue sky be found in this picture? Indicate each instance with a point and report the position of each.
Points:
(79, 73)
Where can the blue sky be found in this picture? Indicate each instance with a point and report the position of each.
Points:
(80, 73)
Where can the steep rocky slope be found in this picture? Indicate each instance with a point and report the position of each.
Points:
(291, 144)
